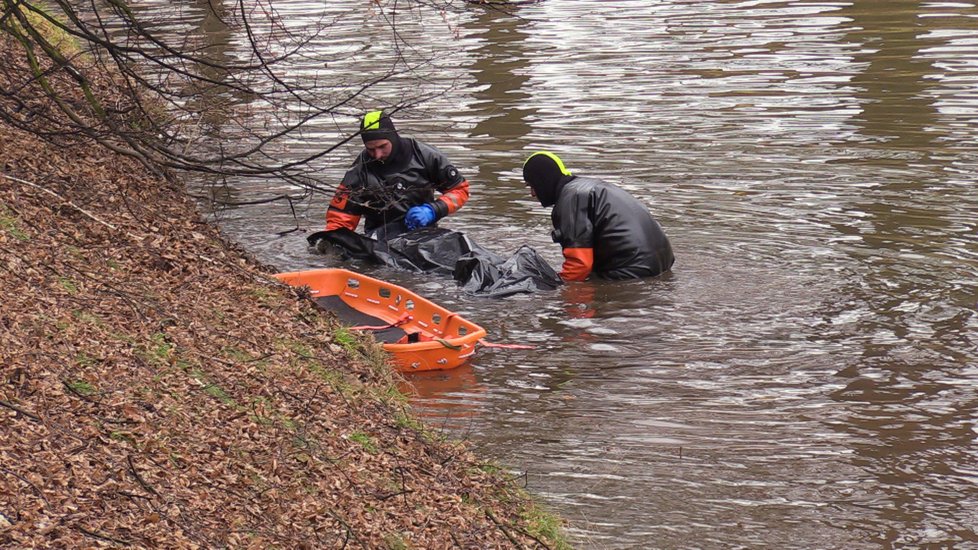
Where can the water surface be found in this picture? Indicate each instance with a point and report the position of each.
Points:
(805, 377)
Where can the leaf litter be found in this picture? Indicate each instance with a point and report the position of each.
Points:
(159, 390)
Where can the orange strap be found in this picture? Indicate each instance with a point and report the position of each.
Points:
(577, 263)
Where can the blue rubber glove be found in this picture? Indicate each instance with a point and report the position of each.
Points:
(419, 216)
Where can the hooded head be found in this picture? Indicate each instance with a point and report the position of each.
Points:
(377, 125)
(375, 128)
(545, 173)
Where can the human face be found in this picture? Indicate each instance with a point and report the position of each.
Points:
(379, 149)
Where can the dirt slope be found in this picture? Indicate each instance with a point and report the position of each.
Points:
(157, 390)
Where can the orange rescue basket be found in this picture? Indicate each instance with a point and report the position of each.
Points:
(419, 334)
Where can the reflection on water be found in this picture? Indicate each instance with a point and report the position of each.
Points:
(805, 377)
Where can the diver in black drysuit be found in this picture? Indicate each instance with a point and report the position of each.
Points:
(601, 228)
(393, 180)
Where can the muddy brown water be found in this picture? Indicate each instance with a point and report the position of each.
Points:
(807, 376)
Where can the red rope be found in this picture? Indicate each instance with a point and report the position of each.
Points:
(505, 346)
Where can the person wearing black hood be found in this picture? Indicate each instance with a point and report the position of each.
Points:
(601, 228)
(394, 179)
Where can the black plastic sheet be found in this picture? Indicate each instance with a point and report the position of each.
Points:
(443, 251)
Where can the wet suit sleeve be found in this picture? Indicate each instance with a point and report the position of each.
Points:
(453, 199)
(453, 186)
(575, 233)
(341, 213)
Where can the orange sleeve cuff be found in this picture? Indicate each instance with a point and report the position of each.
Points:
(455, 197)
(335, 217)
(577, 263)
(336, 220)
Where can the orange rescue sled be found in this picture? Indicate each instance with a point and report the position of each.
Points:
(419, 334)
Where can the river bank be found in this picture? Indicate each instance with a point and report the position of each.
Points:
(159, 390)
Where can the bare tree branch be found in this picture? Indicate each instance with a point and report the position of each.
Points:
(190, 105)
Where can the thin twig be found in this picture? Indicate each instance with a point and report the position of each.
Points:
(349, 529)
(13, 407)
(100, 536)
(28, 483)
(69, 203)
(502, 528)
(394, 494)
(147, 486)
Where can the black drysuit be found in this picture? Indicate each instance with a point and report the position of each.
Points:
(605, 230)
(384, 191)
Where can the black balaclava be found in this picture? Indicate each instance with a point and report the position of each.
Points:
(378, 125)
(546, 174)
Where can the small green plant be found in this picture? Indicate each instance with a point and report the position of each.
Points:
(290, 424)
(406, 421)
(365, 441)
(490, 468)
(124, 437)
(217, 393)
(157, 351)
(389, 393)
(210, 388)
(68, 285)
(184, 365)
(336, 380)
(301, 442)
(237, 355)
(80, 387)
(8, 223)
(87, 317)
(395, 541)
(265, 296)
(346, 339)
(545, 525)
(299, 348)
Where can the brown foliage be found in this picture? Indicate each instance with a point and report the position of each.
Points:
(158, 390)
